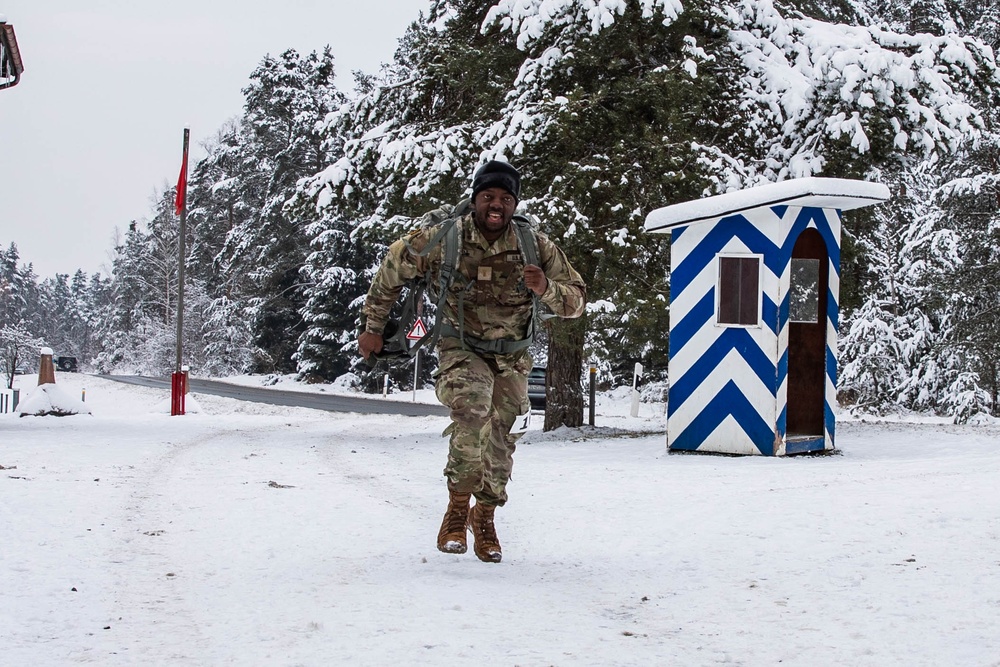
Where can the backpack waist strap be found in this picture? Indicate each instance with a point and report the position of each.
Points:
(498, 346)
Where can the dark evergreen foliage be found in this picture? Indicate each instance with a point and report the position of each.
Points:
(610, 110)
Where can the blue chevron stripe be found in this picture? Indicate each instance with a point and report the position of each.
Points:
(702, 313)
(731, 339)
(769, 313)
(832, 309)
(817, 216)
(782, 366)
(831, 422)
(730, 401)
(783, 311)
(831, 366)
(701, 255)
(691, 323)
(780, 210)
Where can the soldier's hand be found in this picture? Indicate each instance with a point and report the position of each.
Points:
(369, 343)
(535, 280)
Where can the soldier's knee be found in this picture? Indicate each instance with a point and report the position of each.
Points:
(471, 411)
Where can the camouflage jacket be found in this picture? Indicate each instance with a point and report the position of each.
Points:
(489, 282)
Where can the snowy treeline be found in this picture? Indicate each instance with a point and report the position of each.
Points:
(610, 108)
(60, 312)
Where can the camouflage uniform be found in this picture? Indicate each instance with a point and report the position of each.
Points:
(485, 391)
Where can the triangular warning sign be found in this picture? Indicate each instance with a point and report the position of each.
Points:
(418, 330)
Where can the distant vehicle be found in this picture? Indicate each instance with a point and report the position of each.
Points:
(536, 387)
(66, 364)
(20, 370)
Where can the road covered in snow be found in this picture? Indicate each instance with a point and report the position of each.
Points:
(252, 534)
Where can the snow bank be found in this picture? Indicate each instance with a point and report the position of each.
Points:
(50, 400)
(290, 536)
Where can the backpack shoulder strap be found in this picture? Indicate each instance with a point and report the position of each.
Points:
(526, 239)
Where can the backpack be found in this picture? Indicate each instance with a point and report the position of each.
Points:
(394, 336)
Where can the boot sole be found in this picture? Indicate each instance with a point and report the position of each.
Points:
(451, 547)
(493, 557)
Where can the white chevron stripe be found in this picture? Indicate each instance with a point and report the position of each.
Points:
(765, 220)
(691, 239)
(733, 368)
(706, 336)
(831, 337)
(732, 434)
(706, 280)
(831, 392)
(684, 302)
(781, 399)
(834, 279)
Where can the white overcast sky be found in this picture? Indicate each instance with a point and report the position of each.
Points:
(96, 124)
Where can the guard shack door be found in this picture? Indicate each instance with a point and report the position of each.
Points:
(807, 305)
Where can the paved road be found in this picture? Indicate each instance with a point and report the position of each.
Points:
(331, 402)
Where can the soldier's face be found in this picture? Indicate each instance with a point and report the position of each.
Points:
(494, 207)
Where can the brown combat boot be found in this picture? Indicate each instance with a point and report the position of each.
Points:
(451, 537)
(486, 545)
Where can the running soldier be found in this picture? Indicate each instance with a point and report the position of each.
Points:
(487, 324)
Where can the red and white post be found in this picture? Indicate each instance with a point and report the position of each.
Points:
(178, 383)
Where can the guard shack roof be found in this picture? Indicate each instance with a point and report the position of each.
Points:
(831, 193)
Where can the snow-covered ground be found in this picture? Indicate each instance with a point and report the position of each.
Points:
(256, 535)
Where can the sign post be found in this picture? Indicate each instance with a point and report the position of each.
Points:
(593, 390)
(416, 332)
(636, 378)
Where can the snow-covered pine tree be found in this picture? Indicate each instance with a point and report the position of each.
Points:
(264, 251)
(781, 96)
(890, 345)
(20, 295)
(215, 209)
(122, 318)
(968, 199)
(137, 324)
(930, 272)
(407, 144)
(86, 294)
(12, 289)
(786, 96)
(61, 315)
(608, 102)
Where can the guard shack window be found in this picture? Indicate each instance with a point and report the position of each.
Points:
(739, 290)
(803, 298)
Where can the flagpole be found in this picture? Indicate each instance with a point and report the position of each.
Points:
(178, 385)
(181, 203)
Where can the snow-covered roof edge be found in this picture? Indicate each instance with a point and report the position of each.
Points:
(839, 193)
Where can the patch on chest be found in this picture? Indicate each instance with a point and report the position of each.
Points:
(485, 273)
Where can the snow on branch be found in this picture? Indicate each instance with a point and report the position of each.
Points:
(814, 79)
(531, 19)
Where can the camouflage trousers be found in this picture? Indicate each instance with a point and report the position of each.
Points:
(485, 393)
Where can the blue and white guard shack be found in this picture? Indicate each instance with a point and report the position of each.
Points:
(754, 294)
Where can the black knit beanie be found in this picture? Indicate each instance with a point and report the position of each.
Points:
(496, 174)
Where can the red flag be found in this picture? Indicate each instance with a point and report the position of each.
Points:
(182, 182)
